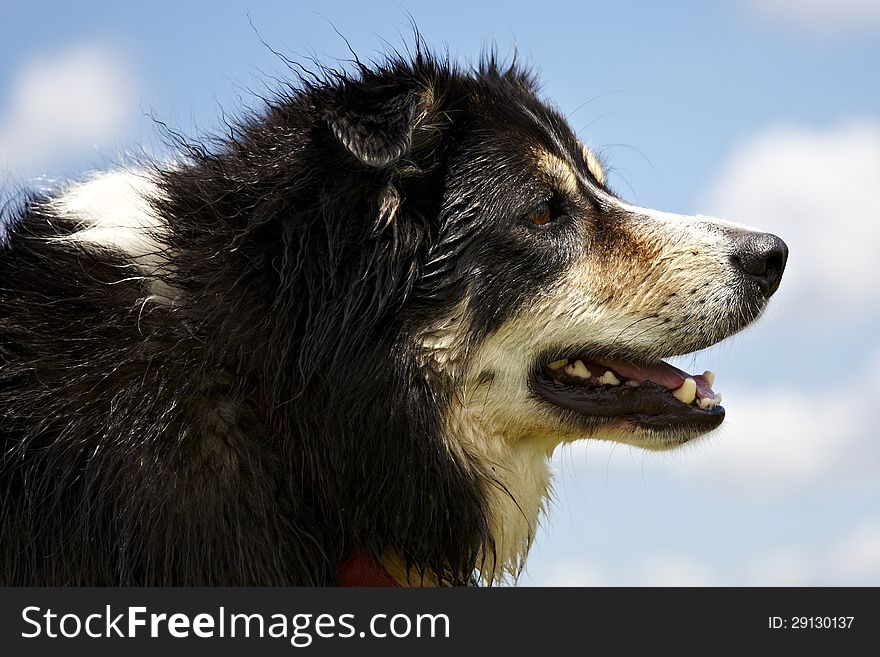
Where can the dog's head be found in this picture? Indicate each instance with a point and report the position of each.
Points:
(543, 297)
(475, 237)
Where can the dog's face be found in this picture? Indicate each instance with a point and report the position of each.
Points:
(575, 295)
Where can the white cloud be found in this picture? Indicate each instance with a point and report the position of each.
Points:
(819, 191)
(850, 559)
(856, 556)
(64, 103)
(565, 573)
(660, 569)
(782, 567)
(777, 440)
(819, 15)
(671, 570)
(782, 441)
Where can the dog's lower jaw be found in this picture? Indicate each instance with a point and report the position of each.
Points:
(515, 482)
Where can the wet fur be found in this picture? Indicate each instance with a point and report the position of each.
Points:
(233, 436)
(309, 337)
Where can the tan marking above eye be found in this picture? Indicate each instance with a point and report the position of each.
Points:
(559, 172)
(593, 164)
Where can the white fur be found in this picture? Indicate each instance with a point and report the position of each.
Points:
(114, 213)
(518, 484)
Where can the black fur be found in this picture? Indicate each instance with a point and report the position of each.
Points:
(277, 415)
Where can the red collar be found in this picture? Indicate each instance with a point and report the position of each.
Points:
(361, 569)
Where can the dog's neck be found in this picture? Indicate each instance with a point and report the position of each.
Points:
(514, 470)
(515, 482)
(515, 476)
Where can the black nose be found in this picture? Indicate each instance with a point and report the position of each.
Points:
(762, 257)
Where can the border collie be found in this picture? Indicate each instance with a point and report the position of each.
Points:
(339, 344)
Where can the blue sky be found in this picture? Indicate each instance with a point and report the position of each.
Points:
(765, 112)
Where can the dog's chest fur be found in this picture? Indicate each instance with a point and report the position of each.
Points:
(516, 483)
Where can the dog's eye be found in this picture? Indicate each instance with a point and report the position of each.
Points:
(542, 214)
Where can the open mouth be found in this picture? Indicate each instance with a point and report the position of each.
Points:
(653, 394)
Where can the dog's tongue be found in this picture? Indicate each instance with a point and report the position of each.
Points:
(658, 372)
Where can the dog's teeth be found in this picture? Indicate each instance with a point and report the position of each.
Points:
(710, 402)
(632, 383)
(609, 379)
(710, 377)
(687, 392)
(578, 370)
(558, 364)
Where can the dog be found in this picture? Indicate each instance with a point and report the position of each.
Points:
(338, 345)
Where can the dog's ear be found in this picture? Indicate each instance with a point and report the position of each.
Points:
(374, 122)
